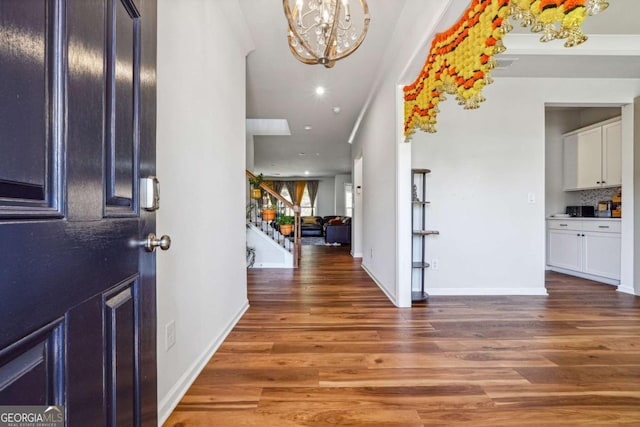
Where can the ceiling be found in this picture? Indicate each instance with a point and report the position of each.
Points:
(280, 87)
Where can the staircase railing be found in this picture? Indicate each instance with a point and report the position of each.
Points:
(269, 226)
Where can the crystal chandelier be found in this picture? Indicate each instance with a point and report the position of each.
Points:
(324, 31)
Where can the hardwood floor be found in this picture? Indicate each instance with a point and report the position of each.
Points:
(323, 346)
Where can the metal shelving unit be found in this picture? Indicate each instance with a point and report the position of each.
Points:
(418, 224)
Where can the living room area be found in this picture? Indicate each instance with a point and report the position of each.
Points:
(324, 219)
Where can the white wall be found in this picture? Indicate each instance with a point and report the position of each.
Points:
(200, 162)
(377, 139)
(377, 142)
(268, 253)
(325, 199)
(340, 205)
(633, 255)
(556, 124)
(589, 116)
(484, 164)
(250, 153)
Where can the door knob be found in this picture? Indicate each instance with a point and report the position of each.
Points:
(154, 242)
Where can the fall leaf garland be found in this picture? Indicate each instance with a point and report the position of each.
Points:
(461, 58)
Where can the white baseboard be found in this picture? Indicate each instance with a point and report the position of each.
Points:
(271, 265)
(167, 404)
(474, 291)
(377, 282)
(357, 254)
(586, 276)
(627, 290)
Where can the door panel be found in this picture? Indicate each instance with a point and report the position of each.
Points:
(602, 254)
(29, 82)
(122, 363)
(612, 154)
(31, 369)
(122, 117)
(77, 301)
(589, 158)
(24, 80)
(565, 249)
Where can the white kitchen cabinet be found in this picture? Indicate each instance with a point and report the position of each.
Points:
(612, 154)
(592, 156)
(601, 254)
(565, 249)
(585, 248)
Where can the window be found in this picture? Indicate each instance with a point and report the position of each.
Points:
(305, 205)
(348, 199)
(285, 193)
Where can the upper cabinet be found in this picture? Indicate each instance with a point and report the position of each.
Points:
(592, 156)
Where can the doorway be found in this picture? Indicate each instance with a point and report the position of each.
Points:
(356, 244)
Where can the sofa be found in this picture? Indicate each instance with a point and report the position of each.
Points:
(311, 226)
(337, 230)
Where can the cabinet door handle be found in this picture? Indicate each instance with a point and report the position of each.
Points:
(583, 235)
(564, 225)
(603, 226)
(598, 182)
(578, 234)
(604, 182)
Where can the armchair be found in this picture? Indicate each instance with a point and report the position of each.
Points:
(338, 232)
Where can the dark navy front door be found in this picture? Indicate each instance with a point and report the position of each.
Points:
(77, 132)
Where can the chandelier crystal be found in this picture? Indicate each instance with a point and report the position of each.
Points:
(324, 31)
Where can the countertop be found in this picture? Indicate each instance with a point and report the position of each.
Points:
(582, 218)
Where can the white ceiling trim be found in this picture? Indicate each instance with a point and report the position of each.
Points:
(597, 44)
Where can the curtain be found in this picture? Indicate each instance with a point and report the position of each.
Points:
(277, 187)
(299, 191)
(312, 188)
(291, 188)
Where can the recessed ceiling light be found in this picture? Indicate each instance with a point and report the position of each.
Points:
(308, 127)
(306, 172)
(336, 110)
(301, 154)
(320, 90)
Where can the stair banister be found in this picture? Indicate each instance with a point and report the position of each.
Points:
(296, 215)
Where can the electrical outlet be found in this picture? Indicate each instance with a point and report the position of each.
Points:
(531, 198)
(170, 335)
(434, 264)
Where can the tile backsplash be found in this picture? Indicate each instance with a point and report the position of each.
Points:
(592, 197)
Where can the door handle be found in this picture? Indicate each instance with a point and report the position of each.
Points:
(152, 242)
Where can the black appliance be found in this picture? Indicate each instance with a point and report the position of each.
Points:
(584, 210)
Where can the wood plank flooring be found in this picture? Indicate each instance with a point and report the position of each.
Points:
(323, 346)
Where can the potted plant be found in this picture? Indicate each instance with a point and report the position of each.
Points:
(255, 183)
(286, 224)
(268, 213)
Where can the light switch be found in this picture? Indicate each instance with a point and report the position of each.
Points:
(531, 198)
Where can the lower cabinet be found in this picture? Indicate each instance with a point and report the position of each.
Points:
(591, 247)
(565, 249)
(601, 254)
